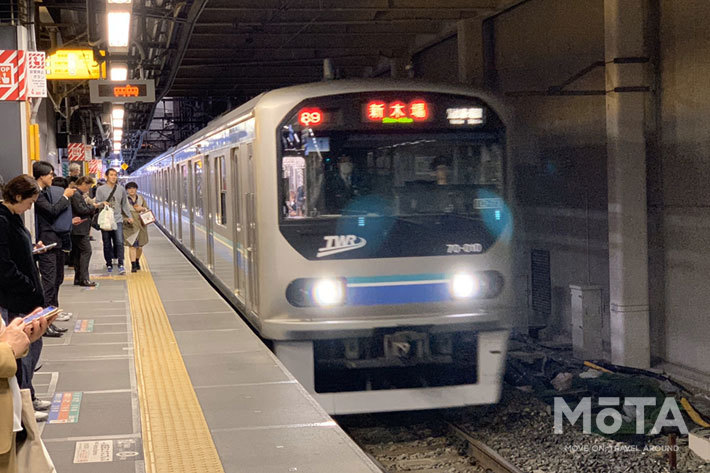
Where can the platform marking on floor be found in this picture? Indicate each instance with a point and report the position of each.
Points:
(171, 416)
(108, 450)
(84, 326)
(65, 408)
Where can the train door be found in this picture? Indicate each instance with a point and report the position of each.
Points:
(182, 200)
(166, 187)
(250, 223)
(171, 199)
(238, 237)
(224, 243)
(198, 189)
(191, 206)
(208, 182)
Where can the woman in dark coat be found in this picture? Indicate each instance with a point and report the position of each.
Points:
(20, 287)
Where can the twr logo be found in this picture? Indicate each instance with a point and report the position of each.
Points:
(339, 244)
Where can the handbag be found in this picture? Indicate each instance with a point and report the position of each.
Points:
(32, 455)
(147, 217)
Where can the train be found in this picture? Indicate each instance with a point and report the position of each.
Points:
(365, 230)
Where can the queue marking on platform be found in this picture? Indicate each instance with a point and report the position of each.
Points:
(175, 433)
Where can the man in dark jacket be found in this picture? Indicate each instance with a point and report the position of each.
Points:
(48, 208)
(81, 246)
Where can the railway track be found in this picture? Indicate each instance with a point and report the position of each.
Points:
(484, 455)
(430, 445)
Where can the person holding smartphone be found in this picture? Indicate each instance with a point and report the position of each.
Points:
(81, 246)
(20, 287)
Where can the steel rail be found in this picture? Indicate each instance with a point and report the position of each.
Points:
(484, 455)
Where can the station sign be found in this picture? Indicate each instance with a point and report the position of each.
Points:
(116, 91)
(74, 64)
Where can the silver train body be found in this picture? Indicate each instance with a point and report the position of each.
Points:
(363, 228)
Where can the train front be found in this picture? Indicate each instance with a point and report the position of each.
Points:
(396, 266)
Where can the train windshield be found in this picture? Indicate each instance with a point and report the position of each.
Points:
(431, 164)
(400, 175)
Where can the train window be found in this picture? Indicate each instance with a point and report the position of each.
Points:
(221, 190)
(185, 196)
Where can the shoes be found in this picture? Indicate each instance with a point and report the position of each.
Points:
(63, 317)
(138, 265)
(109, 268)
(87, 283)
(57, 329)
(41, 416)
(121, 269)
(134, 267)
(52, 333)
(40, 405)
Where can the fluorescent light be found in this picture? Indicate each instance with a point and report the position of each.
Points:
(119, 24)
(117, 113)
(120, 1)
(116, 145)
(119, 72)
(117, 134)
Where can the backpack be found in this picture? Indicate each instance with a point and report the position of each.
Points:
(62, 224)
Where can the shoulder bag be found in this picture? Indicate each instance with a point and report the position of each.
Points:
(32, 455)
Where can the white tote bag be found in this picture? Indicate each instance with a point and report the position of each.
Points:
(107, 221)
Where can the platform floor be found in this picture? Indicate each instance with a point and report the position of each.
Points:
(157, 373)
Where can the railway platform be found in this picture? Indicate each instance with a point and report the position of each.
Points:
(157, 373)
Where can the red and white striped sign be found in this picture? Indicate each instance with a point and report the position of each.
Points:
(75, 151)
(94, 166)
(12, 75)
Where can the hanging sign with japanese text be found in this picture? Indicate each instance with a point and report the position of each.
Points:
(36, 74)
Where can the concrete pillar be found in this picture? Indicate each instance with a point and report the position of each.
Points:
(626, 174)
(13, 121)
(470, 52)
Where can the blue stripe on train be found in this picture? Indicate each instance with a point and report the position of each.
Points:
(405, 294)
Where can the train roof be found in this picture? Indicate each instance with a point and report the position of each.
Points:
(325, 88)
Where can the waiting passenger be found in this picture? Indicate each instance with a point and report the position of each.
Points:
(81, 246)
(20, 287)
(292, 205)
(115, 195)
(135, 233)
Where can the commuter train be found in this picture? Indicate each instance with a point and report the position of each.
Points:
(364, 228)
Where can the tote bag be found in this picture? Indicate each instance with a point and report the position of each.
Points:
(32, 455)
(147, 217)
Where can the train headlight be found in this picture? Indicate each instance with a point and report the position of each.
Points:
(328, 292)
(464, 285)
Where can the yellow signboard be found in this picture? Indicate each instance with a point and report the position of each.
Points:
(69, 64)
(124, 166)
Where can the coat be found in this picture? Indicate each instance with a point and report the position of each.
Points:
(137, 230)
(46, 214)
(8, 367)
(20, 286)
(84, 210)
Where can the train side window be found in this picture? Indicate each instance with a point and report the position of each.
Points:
(221, 190)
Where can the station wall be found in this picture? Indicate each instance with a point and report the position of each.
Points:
(685, 157)
(558, 143)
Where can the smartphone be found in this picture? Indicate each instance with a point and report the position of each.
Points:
(46, 312)
(44, 248)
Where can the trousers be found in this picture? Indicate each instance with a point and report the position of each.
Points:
(113, 244)
(81, 247)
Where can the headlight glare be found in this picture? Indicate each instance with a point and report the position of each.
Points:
(328, 292)
(464, 286)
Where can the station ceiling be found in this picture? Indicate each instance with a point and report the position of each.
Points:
(211, 55)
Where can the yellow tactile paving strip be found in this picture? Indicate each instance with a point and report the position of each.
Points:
(176, 438)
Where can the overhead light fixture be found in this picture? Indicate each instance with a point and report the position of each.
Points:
(119, 25)
(117, 114)
(119, 72)
(120, 1)
(117, 134)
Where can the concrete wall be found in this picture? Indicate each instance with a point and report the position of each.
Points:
(685, 67)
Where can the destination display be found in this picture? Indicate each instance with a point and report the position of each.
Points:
(122, 91)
